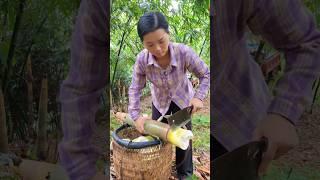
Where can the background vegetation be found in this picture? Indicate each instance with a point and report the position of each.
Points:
(189, 24)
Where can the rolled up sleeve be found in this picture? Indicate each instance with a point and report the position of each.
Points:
(291, 29)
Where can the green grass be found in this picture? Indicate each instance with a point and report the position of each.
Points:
(148, 112)
(114, 124)
(317, 100)
(193, 177)
(201, 132)
(283, 173)
(100, 164)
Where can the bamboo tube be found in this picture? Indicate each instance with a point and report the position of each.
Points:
(178, 137)
(3, 126)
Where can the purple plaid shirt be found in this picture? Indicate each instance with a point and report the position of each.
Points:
(169, 84)
(241, 97)
(80, 92)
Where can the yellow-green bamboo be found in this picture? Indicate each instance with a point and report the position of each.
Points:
(178, 136)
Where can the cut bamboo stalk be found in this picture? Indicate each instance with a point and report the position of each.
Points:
(111, 99)
(29, 80)
(124, 92)
(42, 124)
(119, 89)
(3, 126)
(178, 137)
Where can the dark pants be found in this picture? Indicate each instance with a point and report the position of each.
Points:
(217, 148)
(183, 157)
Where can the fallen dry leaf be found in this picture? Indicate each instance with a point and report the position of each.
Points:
(204, 169)
(120, 116)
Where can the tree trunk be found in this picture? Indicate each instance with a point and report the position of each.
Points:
(119, 52)
(111, 99)
(204, 42)
(123, 97)
(32, 43)
(3, 126)
(12, 47)
(123, 92)
(119, 89)
(42, 124)
(5, 20)
(29, 79)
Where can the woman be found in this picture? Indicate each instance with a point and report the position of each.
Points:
(165, 65)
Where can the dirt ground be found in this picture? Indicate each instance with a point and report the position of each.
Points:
(201, 159)
(306, 154)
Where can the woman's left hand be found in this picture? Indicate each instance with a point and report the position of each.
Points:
(197, 104)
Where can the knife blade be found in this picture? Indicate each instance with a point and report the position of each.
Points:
(180, 118)
(241, 163)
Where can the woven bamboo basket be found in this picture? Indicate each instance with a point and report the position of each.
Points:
(144, 163)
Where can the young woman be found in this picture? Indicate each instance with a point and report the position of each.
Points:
(165, 65)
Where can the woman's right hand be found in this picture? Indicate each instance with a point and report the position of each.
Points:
(139, 123)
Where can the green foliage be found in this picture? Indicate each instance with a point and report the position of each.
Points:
(314, 7)
(44, 33)
(201, 132)
(101, 165)
(285, 172)
(114, 124)
(188, 21)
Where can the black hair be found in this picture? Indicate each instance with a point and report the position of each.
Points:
(150, 22)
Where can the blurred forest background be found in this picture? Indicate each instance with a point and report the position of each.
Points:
(34, 59)
(188, 24)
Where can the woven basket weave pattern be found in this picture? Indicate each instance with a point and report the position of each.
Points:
(150, 163)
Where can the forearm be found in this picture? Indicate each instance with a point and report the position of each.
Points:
(204, 85)
(198, 67)
(134, 102)
(293, 92)
(291, 29)
(138, 82)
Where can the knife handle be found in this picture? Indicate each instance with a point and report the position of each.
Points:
(263, 144)
(190, 110)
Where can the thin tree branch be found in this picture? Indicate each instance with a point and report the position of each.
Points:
(13, 45)
(119, 52)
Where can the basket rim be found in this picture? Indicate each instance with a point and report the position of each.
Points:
(130, 144)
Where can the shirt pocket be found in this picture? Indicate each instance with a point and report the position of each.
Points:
(176, 78)
(153, 75)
